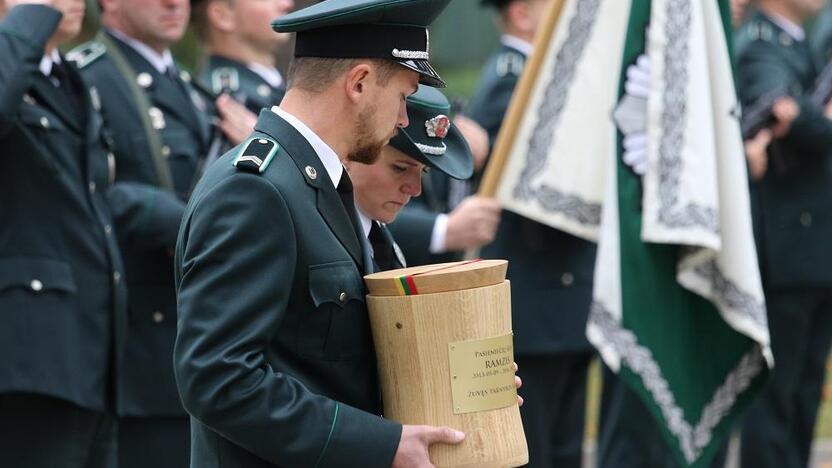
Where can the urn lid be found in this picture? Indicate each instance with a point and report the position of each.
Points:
(441, 277)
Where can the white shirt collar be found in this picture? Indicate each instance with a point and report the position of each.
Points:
(48, 60)
(160, 62)
(366, 222)
(794, 30)
(524, 47)
(327, 155)
(269, 74)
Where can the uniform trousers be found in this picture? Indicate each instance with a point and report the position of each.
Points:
(779, 427)
(554, 407)
(38, 431)
(154, 442)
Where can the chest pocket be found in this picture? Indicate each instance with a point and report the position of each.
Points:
(35, 275)
(337, 328)
(38, 118)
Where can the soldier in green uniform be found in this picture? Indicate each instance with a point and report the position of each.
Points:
(241, 48)
(274, 357)
(792, 234)
(551, 274)
(444, 221)
(156, 121)
(384, 188)
(62, 295)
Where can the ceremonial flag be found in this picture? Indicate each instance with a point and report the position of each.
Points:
(625, 130)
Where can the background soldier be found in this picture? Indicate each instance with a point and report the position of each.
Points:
(794, 198)
(274, 357)
(157, 123)
(241, 49)
(551, 274)
(62, 300)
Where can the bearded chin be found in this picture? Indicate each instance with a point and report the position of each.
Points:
(366, 152)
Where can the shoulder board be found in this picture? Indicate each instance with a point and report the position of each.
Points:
(86, 54)
(225, 79)
(759, 31)
(256, 155)
(510, 63)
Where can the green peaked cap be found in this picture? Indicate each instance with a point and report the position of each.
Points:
(431, 138)
(388, 29)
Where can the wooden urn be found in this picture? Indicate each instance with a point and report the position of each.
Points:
(445, 354)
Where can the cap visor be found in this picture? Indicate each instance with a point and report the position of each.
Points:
(456, 162)
(428, 75)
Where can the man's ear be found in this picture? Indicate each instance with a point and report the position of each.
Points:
(357, 80)
(220, 16)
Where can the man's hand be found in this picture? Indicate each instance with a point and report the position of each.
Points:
(785, 110)
(413, 446)
(477, 139)
(517, 384)
(756, 151)
(472, 224)
(236, 121)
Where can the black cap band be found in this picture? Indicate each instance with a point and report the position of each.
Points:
(364, 41)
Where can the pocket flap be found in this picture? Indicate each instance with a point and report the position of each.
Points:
(337, 282)
(36, 274)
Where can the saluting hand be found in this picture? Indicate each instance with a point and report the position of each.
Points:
(477, 139)
(236, 121)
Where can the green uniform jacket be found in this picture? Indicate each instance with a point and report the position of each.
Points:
(147, 219)
(62, 298)
(550, 271)
(274, 356)
(223, 74)
(793, 222)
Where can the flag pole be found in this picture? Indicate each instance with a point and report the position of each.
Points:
(519, 101)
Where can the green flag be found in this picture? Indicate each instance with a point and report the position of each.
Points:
(626, 132)
(678, 308)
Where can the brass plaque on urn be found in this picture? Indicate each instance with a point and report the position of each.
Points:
(482, 374)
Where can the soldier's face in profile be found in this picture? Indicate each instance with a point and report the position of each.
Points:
(382, 189)
(254, 21)
(73, 18)
(384, 111)
(158, 23)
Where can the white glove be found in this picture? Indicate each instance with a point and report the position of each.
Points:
(631, 115)
(635, 152)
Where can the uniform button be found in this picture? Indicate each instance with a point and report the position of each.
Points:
(44, 122)
(108, 229)
(36, 285)
(342, 297)
(158, 317)
(116, 277)
(805, 219)
(92, 187)
(166, 151)
(567, 279)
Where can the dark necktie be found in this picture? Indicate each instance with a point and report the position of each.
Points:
(382, 249)
(345, 193)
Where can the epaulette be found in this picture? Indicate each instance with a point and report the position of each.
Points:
(256, 155)
(757, 30)
(86, 54)
(225, 79)
(510, 63)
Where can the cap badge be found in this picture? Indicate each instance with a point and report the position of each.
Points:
(438, 126)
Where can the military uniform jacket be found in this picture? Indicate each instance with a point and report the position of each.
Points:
(550, 271)
(413, 227)
(793, 222)
(225, 75)
(62, 298)
(274, 356)
(148, 215)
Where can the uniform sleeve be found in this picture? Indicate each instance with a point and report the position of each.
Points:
(23, 36)
(235, 269)
(760, 71)
(145, 216)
